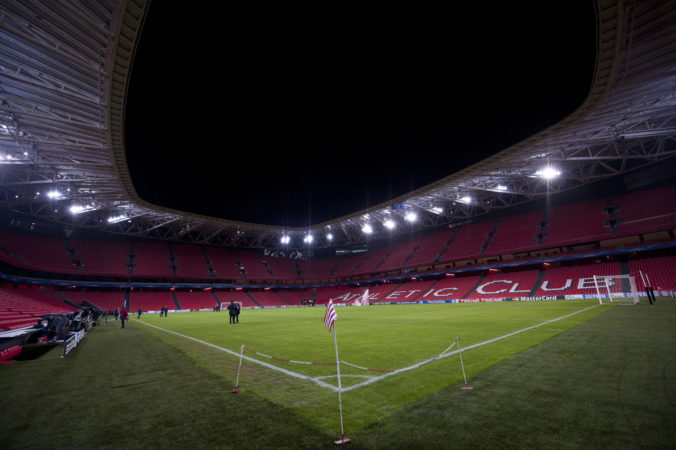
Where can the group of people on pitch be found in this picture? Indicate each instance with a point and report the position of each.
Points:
(233, 309)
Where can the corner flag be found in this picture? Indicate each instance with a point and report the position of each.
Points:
(330, 315)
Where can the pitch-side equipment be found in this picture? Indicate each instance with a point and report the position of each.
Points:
(616, 289)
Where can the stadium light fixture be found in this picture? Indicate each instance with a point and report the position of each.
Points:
(329, 236)
(116, 219)
(437, 209)
(501, 187)
(285, 239)
(78, 209)
(465, 199)
(54, 195)
(308, 239)
(390, 224)
(411, 217)
(548, 173)
(367, 229)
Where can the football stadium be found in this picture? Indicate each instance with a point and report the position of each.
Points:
(520, 299)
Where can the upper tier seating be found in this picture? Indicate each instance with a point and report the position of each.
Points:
(651, 213)
(37, 252)
(575, 223)
(223, 263)
(103, 258)
(189, 261)
(152, 259)
(515, 233)
(643, 212)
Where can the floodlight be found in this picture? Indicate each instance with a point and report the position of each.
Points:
(285, 239)
(77, 209)
(465, 199)
(390, 224)
(437, 209)
(501, 187)
(548, 173)
(411, 217)
(367, 229)
(329, 237)
(54, 194)
(116, 219)
(308, 239)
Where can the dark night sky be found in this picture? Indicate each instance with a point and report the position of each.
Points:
(293, 114)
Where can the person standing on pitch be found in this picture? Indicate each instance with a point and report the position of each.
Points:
(237, 308)
(140, 311)
(124, 315)
(232, 309)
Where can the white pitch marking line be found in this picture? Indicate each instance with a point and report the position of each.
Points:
(371, 379)
(264, 364)
(469, 347)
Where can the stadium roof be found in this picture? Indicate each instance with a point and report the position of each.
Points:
(64, 76)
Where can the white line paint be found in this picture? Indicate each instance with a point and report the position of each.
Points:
(454, 352)
(373, 379)
(264, 364)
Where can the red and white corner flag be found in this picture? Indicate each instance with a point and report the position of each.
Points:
(330, 315)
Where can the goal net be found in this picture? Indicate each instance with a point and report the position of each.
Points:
(616, 289)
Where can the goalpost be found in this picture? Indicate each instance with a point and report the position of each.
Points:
(616, 289)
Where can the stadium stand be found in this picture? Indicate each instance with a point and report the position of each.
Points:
(646, 216)
(646, 211)
(150, 301)
(195, 300)
(432, 248)
(152, 259)
(239, 296)
(190, 261)
(400, 255)
(266, 298)
(575, 280)
(37, 252)
(575, 223)
(251, 266)
(282, 268)
(106, 300)
(661, 272)
(103, 258)
(506, 285)
(451, 288)
(470, 241)
(515, 233)
(223, 263)
(23, 307)
(317, 269)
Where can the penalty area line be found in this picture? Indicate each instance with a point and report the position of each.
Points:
(248, 358)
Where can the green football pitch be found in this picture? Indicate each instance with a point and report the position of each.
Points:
(406, 348)
(551, 374)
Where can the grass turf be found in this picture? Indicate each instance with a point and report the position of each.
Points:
(608, 381)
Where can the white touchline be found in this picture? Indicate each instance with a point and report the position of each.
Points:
(464, 349)
(372, 379)
(264, 364)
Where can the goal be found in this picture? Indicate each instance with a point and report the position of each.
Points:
(616, 289)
